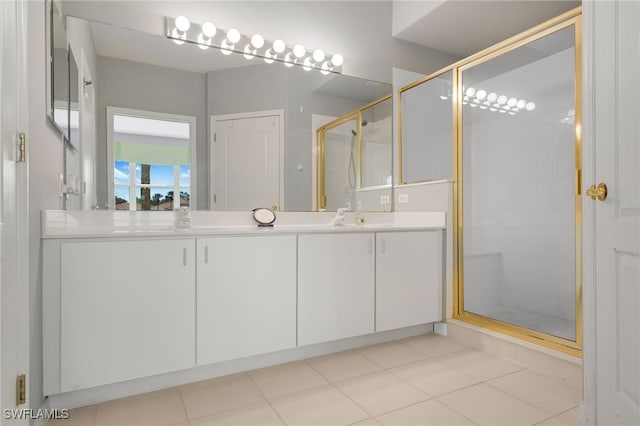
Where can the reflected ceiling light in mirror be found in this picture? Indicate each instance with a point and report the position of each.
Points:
(492, 101)
(180, 30)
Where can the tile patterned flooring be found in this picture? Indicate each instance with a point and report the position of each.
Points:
(423, 380)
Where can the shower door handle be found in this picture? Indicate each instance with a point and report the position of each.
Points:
(600, 192)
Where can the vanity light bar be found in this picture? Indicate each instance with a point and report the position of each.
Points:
(492, 101)
(181, 30)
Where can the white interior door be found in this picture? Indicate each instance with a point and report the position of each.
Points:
(246, 161)
(616, 26)
(14, 293)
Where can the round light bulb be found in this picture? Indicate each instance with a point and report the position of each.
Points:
(326, 68)
(481, 94)
(318, 55)
(268, 56)
(257, 41)
(530, 106)
(299, 50)
(203, 43)
(233, 36)
(470, 92)
(307, 64)
(289, 60)
(182, 23)
(249, 52)
(512, 102)
(226, 47)
(491, 97)
(502, 99)
(279, 46)
(521, 104)
(177, 37)
(337, 59)
(208, 29)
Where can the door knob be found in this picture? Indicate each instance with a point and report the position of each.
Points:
(599, 192)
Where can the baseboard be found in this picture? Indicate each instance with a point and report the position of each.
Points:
(96, 395)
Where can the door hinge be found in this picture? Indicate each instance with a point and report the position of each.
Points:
(22, 147)
(215, 137)
(215, 198)
(21, 389)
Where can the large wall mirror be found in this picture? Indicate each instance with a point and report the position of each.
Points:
(255, 121)
(57, 69)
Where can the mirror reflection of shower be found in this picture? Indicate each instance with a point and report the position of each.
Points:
(351, 172)
(355, 159)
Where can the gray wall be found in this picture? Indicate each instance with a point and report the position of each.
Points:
(126, 84)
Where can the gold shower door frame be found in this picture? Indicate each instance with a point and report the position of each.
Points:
(571, 18)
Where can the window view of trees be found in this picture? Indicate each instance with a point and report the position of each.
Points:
(154, 186)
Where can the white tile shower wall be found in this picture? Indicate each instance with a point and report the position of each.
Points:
(483, 282)
(432, 197)
(523, 202)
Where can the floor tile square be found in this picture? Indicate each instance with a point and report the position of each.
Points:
(343, 365)
(219, 394)
(83, 416)
(568, 418)
(260, 414)
(428, 413)
(161, 408)
(389, 355)
(434, 345)
(321, 406)
(486, 405)
(381, 392)
(433, 377)
(284, 379)
(480, 365)
(539, 390)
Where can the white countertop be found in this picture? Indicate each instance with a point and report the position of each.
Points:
(108, 224)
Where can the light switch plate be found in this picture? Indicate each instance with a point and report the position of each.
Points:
(384, 199)
(403, 198)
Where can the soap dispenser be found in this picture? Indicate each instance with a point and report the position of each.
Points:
(359, 214)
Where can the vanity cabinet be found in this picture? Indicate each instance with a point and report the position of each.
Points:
(246, 296)
(125, 308)
(409, 278)
(335, 286)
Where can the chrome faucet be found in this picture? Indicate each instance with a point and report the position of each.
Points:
(339, 217)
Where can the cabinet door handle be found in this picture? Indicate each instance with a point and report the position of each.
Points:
(184, 256)
(206, 254)
(370, 246)
(383, 245)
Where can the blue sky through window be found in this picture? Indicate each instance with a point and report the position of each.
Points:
(160, 175)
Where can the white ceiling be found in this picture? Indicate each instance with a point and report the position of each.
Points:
(464, 27)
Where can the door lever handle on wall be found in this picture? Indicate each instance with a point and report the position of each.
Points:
(600, 192)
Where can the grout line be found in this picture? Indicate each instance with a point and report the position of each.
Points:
(184, 406)
(265, 397)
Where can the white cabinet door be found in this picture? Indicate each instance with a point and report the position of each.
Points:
(246, 296)
(409, 278)
(335, 286)
(127, 310)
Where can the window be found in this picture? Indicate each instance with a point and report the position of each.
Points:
(152, 160)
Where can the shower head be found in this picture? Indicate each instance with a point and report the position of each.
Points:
(362, 124)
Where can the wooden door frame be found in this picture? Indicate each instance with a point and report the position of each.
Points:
(243, 115)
